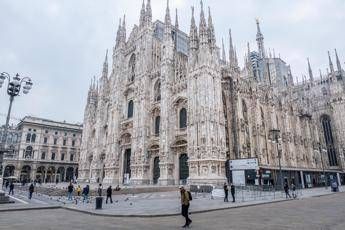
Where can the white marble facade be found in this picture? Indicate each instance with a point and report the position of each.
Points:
(173, 108)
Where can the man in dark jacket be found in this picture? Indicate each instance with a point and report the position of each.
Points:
(232, 189)
(86, 193)
(226, 192)
(70, 189)
(109, 193)
(286, 189)
(11, 189)
(31, 190)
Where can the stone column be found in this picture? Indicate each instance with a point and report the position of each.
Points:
(338, 179)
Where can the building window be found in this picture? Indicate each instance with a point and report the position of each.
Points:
(55, 141)
(64, 142)
(71, 157)
(43, 156)
(157, 91)
(327, 131)
(183, 118)
(45, 140)
(46, 131)
(33, 138)
(73, 142)
(130, 109)
(62, 156)
(53, 156)
(28, 137)
(28, 152)
(157, 124)
(73, 134)
(56, 133)
(131, 67)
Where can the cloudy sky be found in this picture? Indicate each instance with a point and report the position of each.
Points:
(61, 44)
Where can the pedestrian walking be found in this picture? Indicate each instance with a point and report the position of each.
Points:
(293, 188)
(226, 192)
(86, 191)
(286, 189)
(11, 189)
(70, 189)
(109, 193)
(78, 190)
(185, 202)
(7, 184)
(232, 190)
(31, 190)
(99, 191)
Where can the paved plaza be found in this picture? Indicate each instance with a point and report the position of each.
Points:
(323, 212)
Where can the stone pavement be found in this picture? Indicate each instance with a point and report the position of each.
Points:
(316, 213)
(168, 203)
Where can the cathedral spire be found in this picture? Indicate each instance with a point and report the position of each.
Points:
(167, 19)
(260, 40)
(338, 62)
(142, 15)
(176, 21)
(148, 12)
(320, 74)
(193, 34)
(231, 50)
(118, 34)
(105, 65)
(203, 27)
(123, 35)
(311, 77)
(223, 52)
(330, 63)
(211, 35)
(235, 55)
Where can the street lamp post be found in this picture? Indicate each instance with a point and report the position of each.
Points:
(275, 135)
(14, 86)
(323, 166)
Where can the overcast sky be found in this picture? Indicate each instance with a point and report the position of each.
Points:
(61, 44)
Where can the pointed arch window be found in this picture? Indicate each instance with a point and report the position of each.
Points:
(157, 91)
(244, 111)
(130, 109)
(183, 118)
(328, 135)
(157, 125)
(131, 67)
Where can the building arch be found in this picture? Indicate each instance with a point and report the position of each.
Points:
(70, 174)
(25, 173)
(9, 171)
(61, 174)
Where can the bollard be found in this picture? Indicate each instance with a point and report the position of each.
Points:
(99, 202)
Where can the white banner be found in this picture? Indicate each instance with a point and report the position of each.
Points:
(244, 164)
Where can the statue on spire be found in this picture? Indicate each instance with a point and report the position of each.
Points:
(260, 40)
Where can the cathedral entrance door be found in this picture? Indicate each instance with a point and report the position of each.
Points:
(127, 166)
(184, 169)
(156, 170)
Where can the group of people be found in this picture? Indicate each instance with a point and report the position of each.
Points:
(287, 191)
(10, 186)
(226, 192)
(85, 192)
